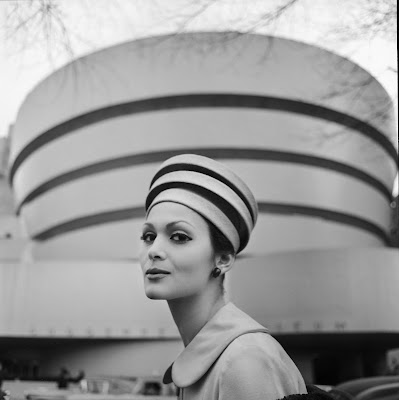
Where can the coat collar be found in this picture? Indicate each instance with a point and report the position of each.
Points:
(210, 342)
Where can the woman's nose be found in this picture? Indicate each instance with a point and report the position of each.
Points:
(156, 250)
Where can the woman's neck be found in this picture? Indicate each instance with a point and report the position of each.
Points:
(192, 313)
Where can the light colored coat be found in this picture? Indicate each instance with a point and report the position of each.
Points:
(234, 358)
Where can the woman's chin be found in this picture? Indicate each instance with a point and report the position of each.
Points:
(155, 294)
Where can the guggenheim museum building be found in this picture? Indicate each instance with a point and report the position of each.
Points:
(313, 135)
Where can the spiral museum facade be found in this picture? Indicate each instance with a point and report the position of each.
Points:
(311, 133)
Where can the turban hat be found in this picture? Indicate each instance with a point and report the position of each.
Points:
(212, 190)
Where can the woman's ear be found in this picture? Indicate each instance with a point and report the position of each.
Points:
(224, 261)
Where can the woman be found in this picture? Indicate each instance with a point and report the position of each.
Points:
(200, 215)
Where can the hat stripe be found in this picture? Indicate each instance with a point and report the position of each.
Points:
(214, 186)
(200, 169)
(203, 207)
(233, 215)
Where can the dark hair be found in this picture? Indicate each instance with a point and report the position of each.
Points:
(219, 241)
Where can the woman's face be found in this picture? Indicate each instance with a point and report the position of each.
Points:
(176, 255)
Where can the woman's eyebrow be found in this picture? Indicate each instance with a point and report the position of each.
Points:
(171, 224)
(168, 225)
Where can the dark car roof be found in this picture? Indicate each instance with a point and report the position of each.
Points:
(358, 385)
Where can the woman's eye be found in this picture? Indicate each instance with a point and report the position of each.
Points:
(148, 237)
(180, 237)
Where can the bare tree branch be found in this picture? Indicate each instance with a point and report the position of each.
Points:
(37, 22)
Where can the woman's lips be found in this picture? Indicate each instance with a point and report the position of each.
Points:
(156, 273)
(154, 277)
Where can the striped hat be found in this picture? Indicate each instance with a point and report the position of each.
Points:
(209, 188)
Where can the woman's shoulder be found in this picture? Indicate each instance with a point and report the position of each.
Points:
(256, 363)
(257, 344)
(254, 349)
(259, 355)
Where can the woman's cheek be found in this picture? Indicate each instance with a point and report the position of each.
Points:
(143, 258)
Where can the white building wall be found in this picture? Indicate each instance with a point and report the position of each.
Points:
(320, 147)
